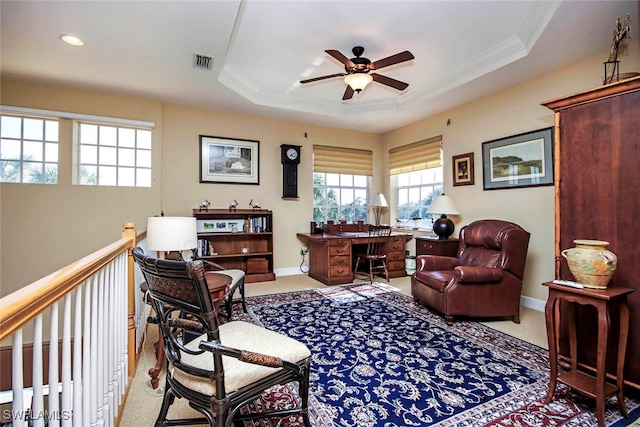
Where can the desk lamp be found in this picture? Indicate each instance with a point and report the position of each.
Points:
(377, 203)
(443, 226)
(171, 235)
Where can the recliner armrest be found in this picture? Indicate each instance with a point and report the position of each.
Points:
(468, 273)
(435, 263)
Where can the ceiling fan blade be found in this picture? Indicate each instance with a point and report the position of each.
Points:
(391, 60)
(348, 93)
(396, 84)
(315, 79)
(340, 57)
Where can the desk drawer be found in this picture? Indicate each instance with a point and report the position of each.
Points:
(342, 270)
(339, 250)
(395, 265)
(340, 260)
(395, 246)
(395, 256)
(339, 242)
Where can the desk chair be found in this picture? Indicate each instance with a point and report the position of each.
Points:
(376, 255)
(227, 365)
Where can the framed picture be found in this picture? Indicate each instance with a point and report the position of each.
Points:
(524, 160)
(463, 169)
(229, 160)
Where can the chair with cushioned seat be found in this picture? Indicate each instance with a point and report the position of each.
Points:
(485, 280)
(228, 365)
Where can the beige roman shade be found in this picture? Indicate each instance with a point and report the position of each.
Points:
(342, 160)
(423, 154)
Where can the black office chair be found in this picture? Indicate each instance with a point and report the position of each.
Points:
(228, 365)
(376, 255)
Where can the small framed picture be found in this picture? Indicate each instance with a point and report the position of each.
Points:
(463, 173)
(524, 160)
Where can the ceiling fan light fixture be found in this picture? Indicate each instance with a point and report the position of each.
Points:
(358, 81)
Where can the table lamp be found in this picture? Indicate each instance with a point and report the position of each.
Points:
(377, 203)
(443, 226)
(171, 235)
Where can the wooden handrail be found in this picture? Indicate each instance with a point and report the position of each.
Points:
(41, 294)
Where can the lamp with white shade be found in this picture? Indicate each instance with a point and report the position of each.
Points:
(443, 226)
(377, 203)
(171, 235)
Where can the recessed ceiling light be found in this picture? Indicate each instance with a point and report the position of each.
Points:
(72, 40)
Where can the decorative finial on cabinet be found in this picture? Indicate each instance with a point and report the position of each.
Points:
(233, 206)
(205, 205)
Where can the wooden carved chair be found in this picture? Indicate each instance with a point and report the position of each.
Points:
(228, 365)
(375, 256)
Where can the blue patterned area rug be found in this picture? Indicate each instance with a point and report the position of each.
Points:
(381, 360)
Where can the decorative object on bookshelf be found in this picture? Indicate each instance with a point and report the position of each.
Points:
(233, 206)
(591, 263)
(205, 204)
(253, 204)
(239, 237)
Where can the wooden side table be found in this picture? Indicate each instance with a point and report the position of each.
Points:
(443, 247)
(605, 301)
(218, 286)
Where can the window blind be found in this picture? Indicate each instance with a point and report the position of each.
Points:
(342, 160)
(416, 156)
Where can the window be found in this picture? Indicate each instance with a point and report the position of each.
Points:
(416, 191)
(341, 180)
(114, 155)
(416, 171)
(340, 197)
(28, 150)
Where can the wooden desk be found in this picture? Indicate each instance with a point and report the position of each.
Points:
(604, 300)
(218, 285)
(331, 259)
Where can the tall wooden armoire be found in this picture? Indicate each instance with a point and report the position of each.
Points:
(597, 181)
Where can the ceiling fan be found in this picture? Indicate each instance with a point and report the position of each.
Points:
(357, 69)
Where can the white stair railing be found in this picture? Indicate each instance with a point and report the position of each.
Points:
(96, 307)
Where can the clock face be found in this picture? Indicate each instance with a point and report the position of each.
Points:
(292, 153)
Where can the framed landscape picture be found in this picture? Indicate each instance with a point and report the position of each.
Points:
(463, 173)
(229, 160)
(524, 160)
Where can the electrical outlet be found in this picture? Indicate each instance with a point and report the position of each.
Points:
(304, 250)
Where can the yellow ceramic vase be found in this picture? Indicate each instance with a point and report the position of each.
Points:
(591, 264)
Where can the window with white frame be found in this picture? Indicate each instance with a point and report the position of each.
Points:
(340, 197)
(415, 193)
(111, 155)
(417, 176)
(341, 181)
(28, 149)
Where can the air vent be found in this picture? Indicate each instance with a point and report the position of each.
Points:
(202, 62)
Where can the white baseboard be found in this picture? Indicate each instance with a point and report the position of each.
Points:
(532, 303)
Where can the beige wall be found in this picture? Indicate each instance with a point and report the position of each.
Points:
(45, 227)
(510, 112)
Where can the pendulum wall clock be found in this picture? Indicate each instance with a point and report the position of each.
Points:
(290, 157)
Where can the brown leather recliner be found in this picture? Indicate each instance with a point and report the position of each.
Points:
(486, 278)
